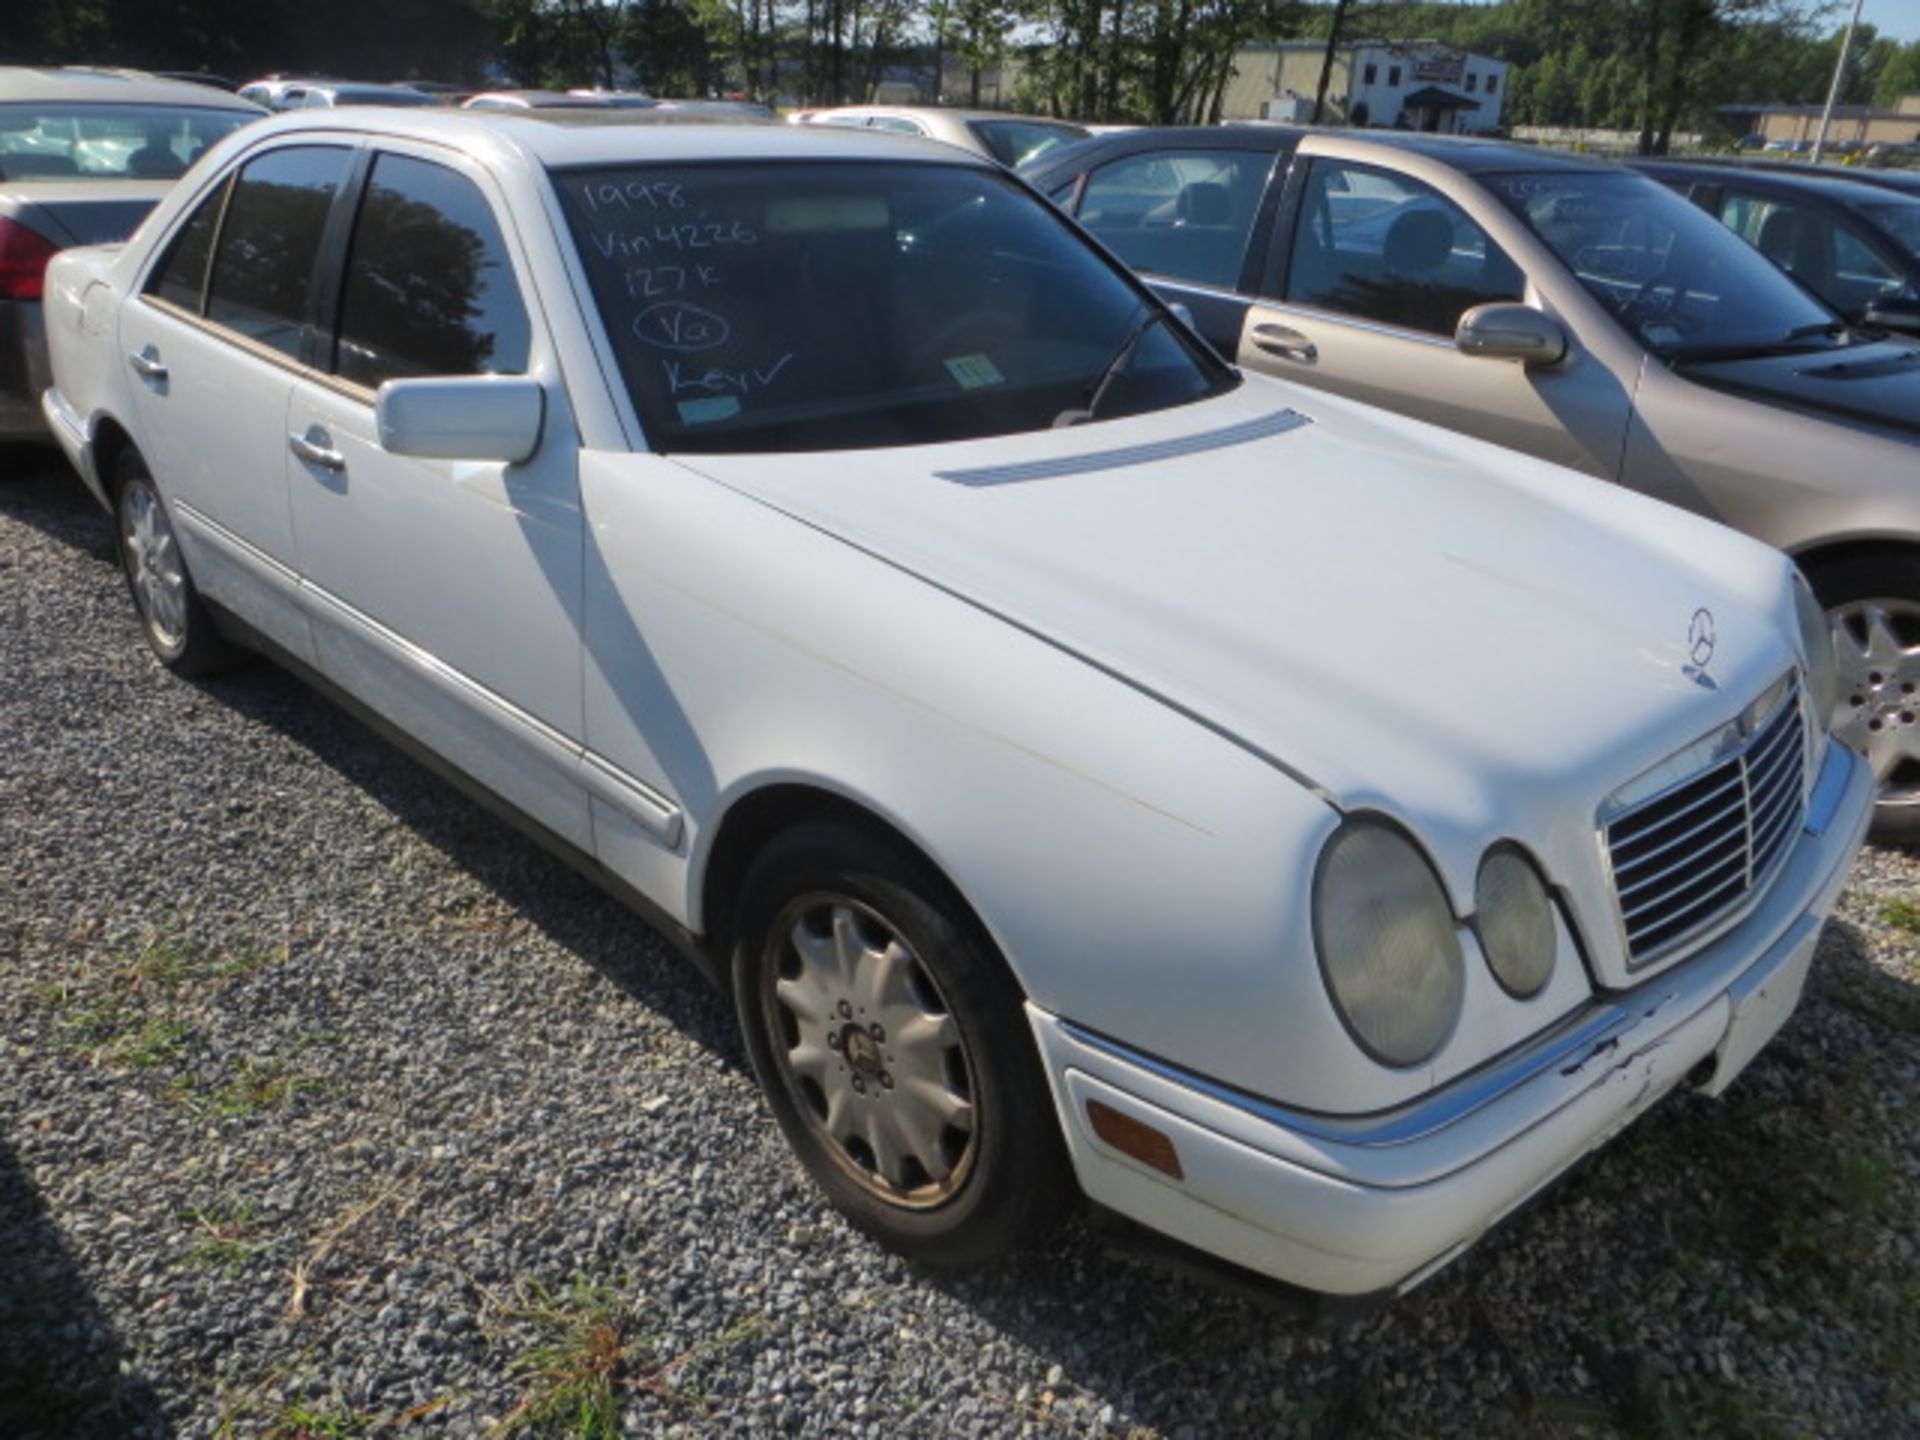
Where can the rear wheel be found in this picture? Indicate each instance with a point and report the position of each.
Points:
(172, 616)
(892, 1047)
(1873, 602)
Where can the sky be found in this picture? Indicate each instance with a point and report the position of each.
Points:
(1896, 19)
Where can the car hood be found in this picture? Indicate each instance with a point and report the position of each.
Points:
(1399, 617)
(1877, 384)
(81, 212)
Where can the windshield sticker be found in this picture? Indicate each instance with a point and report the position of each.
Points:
(974, 371)
(705, 412)
(1660, 336)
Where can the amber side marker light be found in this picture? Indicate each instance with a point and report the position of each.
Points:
(1136, 1138)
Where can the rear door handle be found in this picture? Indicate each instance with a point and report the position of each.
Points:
(147, 362)
(316, 448)
(1287, 343)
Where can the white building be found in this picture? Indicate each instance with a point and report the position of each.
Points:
(1386, 84)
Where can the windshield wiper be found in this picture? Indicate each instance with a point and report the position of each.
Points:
(1097, 391)
(1788, 344)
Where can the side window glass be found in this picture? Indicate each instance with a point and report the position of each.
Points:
(263, 269)
(429, 290)
(1798, 240)
(895, 124)
(1858, 265)
(1185, 214)
(181, 277)
(1386, 248)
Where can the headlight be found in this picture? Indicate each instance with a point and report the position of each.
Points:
(1816, 642)
(1514, 918)
(1387, 943)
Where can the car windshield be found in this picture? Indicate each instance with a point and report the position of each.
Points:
(1682, 284)
(1901, 220)
(54, 141)
(845, 305)
(1015, 142)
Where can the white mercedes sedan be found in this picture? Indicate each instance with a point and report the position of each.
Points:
(1297, 828)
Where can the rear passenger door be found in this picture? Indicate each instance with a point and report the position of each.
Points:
(215, 342)
(1367, 275)
(445, 593)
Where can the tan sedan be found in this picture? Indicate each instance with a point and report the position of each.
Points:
(1568, 308)
(1010, 139)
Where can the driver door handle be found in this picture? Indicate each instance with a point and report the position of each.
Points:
(316, 448)
(1284, 341)
(146, 362)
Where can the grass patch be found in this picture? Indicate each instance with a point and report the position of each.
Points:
(254, 1086)
(588, 1357)
(224, 1235)
(121, 1037)
(584, 1358)
(1902, 915)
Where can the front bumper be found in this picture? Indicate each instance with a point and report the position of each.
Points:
(24, 371)
(1355, 1205)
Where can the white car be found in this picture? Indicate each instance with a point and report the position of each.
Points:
(1308, 830)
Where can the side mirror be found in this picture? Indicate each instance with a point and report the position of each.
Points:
(461, 417)
(1894, 312)
(1506, 331)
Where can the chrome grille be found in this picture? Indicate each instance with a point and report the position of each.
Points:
(1690, 854)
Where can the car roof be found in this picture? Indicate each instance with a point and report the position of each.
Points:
(111, 87)
(1841, 188)
(952, 112)
(606, 136)
(1463, 152)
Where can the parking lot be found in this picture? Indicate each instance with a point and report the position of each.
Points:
(335, 1108)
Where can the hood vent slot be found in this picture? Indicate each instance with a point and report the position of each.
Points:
(1277, 423)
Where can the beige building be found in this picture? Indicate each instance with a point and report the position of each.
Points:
(1387, 84)
(1851, 125)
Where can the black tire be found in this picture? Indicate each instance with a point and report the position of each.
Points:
(1007, 1179)
(178, 629)
(1879, 702)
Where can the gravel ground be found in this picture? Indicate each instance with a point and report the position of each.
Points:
(330, 1107)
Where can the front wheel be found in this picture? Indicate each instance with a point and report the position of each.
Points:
(893, 1050)
(172, 616)
(1873, 603)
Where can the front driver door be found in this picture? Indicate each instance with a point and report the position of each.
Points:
(445, 593)
(1368, 274)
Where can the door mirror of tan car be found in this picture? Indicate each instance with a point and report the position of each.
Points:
(464, 417)
(1505, 331)
(1895, 312)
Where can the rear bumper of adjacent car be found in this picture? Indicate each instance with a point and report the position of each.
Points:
(1357, 1205)
(23, 369)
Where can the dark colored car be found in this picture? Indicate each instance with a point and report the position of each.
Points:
(1856, 246)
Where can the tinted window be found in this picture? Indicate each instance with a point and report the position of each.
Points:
(182, 276)
(263, 270)
(1386, 248)
(822, 305)
(429, 290)
(1180, 213)
(1014, 142)
(1900, 219)
(1671, 274)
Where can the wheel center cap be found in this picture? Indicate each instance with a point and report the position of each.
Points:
(861, 1049)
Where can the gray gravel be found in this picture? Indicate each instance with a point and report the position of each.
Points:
(327, 1104)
